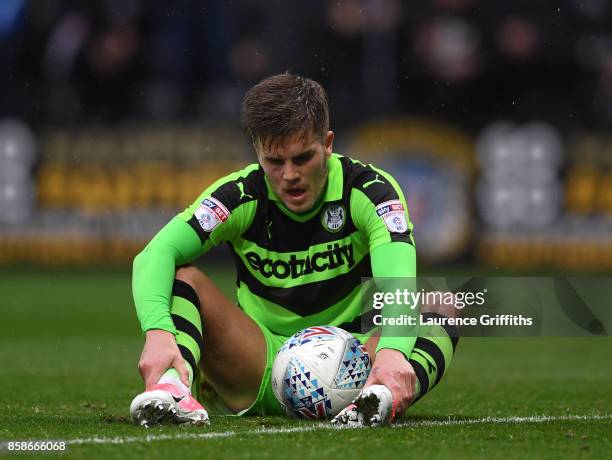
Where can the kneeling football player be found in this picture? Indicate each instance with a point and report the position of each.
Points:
(304, 225)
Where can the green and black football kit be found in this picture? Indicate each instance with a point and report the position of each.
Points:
(293, 270)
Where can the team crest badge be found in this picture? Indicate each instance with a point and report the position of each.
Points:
(333, 217)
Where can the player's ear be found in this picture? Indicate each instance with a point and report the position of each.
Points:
(329, 143)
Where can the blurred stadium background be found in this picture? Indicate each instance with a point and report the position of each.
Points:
(115, 114)
(493, 115)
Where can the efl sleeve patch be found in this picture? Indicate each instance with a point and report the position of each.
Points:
(394, 215)
(210, 214)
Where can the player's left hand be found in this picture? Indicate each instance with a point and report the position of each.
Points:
(392, 369)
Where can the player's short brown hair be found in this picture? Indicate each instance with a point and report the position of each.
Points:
(285, 105)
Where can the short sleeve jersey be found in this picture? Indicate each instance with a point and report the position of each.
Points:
(295, 271)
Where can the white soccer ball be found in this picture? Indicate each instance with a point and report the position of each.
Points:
(319, 371)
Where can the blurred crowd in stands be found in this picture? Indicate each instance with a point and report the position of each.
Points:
(67, 62)
(493, 115)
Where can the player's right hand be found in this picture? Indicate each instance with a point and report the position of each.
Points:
(159, 354)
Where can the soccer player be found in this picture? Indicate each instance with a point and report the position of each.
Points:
(304, 226)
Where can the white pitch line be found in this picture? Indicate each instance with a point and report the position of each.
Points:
(501, 420)
(327, 426)
(218, 434)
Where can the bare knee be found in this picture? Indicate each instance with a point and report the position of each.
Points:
(446, 307)
(193, 277)
(190, 275)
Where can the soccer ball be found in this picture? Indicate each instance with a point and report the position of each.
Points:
(319, 371)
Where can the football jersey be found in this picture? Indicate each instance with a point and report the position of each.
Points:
(299, 270)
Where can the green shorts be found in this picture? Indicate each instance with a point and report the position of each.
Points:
(430, 358)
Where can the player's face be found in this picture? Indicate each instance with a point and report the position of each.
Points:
(297, 168)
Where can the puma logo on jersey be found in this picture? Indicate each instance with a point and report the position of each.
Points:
(240, 186)
(370, 182)
(334, 257)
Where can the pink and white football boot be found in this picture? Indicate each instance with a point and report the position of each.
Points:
(165, 404)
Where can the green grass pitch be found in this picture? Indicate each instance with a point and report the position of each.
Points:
(70, 342)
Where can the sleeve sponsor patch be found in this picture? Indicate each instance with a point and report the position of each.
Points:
(393, 214)
(211, 213)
